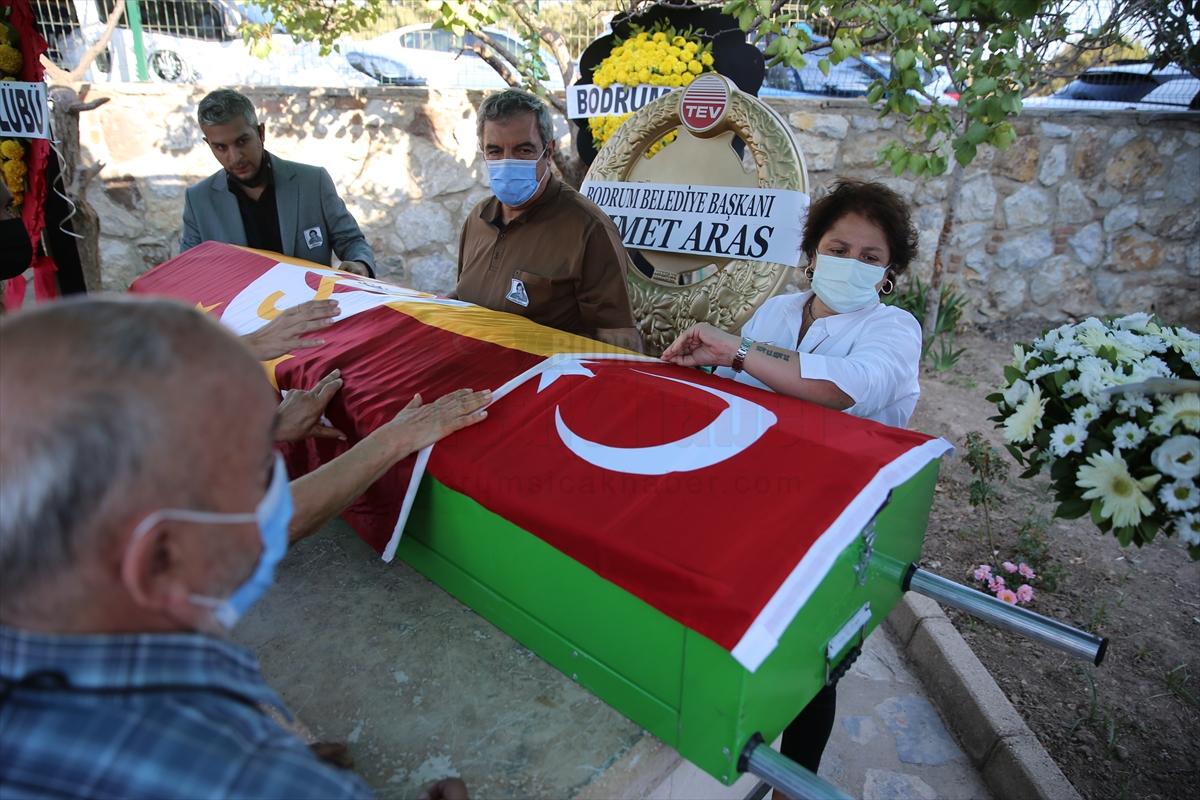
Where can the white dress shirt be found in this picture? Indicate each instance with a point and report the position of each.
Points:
(872, 355)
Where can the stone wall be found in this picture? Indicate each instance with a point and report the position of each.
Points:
(1085, 214)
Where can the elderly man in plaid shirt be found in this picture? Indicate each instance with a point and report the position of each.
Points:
(142, 511)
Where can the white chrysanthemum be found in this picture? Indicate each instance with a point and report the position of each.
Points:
(1069, 348)
(1016, 393)
(1020, 357)
(1094, 338)
(1130, 404)
(1188, 528)
(1086, 414)
(1026, 419)
(1193, 361)
(1042, 371)
(1070, 388)
(1122, 497)
(1181, 339)
(1134, 322)
(1180, 409)
(1067, 438)
(1129, 347)
(1155, 367)
(1178, 457)
(1127, 435)
(1179, 496)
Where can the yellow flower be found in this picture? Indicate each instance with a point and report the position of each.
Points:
(686, 78)
(13, 171)
(18, 198)
(679, 41)
(10, 59)
(644, 75)
(659, 37)
(12, 149)
(690, 48)
(706, 59)
(695, 67)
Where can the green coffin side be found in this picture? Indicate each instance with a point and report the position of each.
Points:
(679, 685)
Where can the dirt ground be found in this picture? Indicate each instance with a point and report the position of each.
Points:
(1126, 729)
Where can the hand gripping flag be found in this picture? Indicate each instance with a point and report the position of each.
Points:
(719, 504)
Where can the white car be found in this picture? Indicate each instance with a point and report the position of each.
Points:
(188, 41)
(421, 55)
(1126, 87)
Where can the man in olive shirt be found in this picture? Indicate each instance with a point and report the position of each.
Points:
(539, 248)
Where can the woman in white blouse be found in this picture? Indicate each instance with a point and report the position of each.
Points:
(835, 344)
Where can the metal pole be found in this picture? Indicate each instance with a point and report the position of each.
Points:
(784, 774)
(1043, 629)
(134, 14)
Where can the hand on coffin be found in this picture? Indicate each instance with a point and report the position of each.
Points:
(300, 414)
(420, 425)
(445, 789)
(702, 345)
(357, 267)
(289, 331)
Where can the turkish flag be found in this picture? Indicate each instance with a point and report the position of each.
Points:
(721, 505)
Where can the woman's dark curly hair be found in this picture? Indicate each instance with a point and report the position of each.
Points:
(874, 201)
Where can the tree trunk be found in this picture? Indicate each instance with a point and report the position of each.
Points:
(66, 106)
(933, 299)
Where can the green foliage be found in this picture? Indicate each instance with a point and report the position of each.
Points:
(913, 297)
(1033, 547)
(320, 21)
(988, 471)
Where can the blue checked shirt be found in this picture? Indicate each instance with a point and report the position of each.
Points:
(147, 715)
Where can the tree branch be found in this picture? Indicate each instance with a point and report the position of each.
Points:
(553, 39)
(89, 55)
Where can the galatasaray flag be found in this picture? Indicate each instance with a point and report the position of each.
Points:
(720, 505)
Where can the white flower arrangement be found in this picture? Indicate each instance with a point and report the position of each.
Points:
(1128, 456)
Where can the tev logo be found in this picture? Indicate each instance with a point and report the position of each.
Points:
(704, 103)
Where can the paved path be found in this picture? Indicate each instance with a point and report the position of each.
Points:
(420, 686)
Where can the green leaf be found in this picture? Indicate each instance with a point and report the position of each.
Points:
(904, 59)
(964, 153)
(875, 93)
(1012, 374)
(1097, 517)
(1125, 534)
(823, 65)
(976, 133)
(1073, 508)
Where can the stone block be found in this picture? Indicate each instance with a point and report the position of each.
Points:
(1136, 251)
(1088, 157)
(820, 153)
(1019, 161)
(835, 126)
(960, 682)
(968, 234)
(862, 151)
(1120, 218)
(422, 223)
(1073, 204)
(1184, 186)
(1026, 207)
(1007, 292)
(1025, 252)
(1053, 131)
(1089, 244)
(1054, 165)
(1059, 280)
(436, 273)
(1019, 767)
(977, 201)
(1133, 165)
(908, 614)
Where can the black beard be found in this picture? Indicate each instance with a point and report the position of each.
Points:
(260, 177)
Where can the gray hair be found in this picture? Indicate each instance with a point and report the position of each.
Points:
(510, 103)
(224, 106)
(89, 430)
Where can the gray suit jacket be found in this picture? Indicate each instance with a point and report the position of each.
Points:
(313, 221)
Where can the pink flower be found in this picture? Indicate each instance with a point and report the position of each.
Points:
(1009, 567)
(1007, 596)
(983, 573)
(1024, 593)
(995, 585)
(1026, 571)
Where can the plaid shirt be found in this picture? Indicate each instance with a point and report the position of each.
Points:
(147, 715)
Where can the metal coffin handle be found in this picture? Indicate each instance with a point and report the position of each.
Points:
(759, 759)
(1048, 631)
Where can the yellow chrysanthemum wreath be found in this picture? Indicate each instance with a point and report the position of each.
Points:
(660, 56)
(12, 154)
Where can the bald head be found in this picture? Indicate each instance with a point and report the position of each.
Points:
(112, 407)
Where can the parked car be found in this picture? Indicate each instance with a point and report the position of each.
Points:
(421, 55)
(187, 41)
(1125, 87)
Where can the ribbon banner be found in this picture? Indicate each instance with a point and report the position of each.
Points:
(718, 221)
(589, 100)
(24, 110)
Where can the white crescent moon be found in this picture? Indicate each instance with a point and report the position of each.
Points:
(736, 428)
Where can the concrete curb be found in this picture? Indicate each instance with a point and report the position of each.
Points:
(1013, 763)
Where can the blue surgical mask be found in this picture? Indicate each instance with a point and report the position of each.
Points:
(514, 180)
(272, 515)
(846, 284)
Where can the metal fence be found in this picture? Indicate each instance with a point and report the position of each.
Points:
(191, 41)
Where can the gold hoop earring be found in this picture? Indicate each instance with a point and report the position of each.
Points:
(890, 287)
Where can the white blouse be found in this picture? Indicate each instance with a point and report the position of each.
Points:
(872, 355)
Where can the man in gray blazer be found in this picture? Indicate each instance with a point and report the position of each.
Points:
(261, 201)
